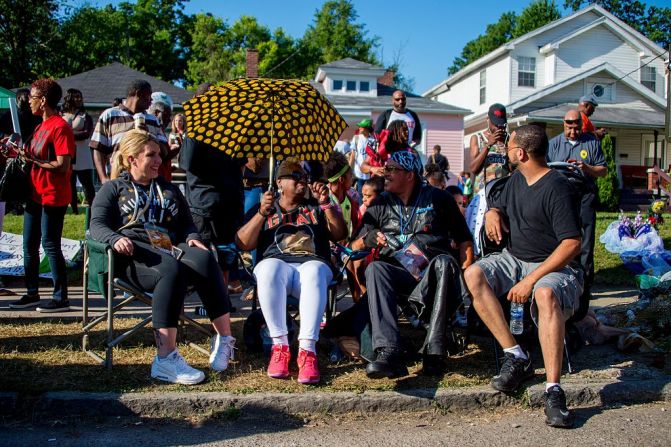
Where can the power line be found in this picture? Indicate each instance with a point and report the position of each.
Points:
(637, 69)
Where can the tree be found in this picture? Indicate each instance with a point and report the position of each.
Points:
(335, 34)
(28, 28)
(537, 14)
(609, 186)
(653, 22)
(209, 60)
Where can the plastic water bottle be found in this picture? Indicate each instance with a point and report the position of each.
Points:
(516, 318)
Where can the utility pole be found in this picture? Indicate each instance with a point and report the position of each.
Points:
(667, 132)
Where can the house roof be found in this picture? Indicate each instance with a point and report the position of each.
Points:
(625, 31)
(604, 67)
(101, 85)
(604, 115)
(351, 64)
(382, 101)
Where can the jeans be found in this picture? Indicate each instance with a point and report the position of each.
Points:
(44, 223)
(252, 198)
(85, 177)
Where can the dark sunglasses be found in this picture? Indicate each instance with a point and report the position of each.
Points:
(571, 122)
(391, 169)
(297, 177)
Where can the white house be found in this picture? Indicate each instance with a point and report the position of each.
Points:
(540, 75)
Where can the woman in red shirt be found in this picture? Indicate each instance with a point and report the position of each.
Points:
(49, 155)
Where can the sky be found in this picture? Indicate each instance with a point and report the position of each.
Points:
(426, 36)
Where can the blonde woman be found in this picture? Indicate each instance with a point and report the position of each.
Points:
(147, 221)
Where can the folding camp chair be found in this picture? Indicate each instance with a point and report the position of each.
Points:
(100, 277)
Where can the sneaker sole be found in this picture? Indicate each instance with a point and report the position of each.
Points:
(382, 375)
(181, 382)
(560, 424)
(24, 306)
(309, 381)
(53, 311)
(278, 376)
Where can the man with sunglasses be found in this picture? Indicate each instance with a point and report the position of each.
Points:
(537, 210)
(583, 149)
(412, 225)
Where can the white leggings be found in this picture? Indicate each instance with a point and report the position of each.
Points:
(275, 279)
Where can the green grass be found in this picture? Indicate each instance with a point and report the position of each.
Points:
(73, 227)
(608, 268)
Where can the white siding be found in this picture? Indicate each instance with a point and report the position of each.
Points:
(593, 48)
(466, 93)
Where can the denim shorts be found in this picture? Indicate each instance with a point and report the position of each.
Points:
(503, 270)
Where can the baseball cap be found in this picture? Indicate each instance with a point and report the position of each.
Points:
(365, 123)
(497, 114)
(588, 98)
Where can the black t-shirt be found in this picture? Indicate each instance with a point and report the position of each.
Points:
(440, 160)
(297, 235)
(540, 215)
(431, 220)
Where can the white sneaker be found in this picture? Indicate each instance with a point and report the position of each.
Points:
(174, 369)
(222, 350)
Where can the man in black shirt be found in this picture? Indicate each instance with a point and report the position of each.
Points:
(412, 225)
(438, 159)
(538, 264)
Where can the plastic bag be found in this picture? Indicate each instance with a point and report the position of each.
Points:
(644, 244)
(655, 264)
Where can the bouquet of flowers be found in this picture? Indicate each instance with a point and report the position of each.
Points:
(632, 229)
(655, 211)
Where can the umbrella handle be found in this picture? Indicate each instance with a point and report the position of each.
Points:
(271, 173)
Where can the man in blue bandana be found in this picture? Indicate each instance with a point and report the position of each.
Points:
(412, 225)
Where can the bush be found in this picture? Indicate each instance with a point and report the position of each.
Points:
(609, 186)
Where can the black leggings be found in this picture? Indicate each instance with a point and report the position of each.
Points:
(167, 277)
(86, 179)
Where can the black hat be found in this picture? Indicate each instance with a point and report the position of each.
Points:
(497, 114)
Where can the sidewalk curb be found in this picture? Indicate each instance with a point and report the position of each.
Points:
(174, 404)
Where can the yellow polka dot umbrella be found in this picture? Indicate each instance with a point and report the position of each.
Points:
(265, 118)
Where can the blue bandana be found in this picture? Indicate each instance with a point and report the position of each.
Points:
(408, 161)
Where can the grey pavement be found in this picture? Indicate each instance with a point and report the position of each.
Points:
(605, 377)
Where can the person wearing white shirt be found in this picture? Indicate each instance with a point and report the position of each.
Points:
(357, 156)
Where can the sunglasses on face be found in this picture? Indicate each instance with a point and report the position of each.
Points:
(572, 122)
(297, 177)
(391, 169)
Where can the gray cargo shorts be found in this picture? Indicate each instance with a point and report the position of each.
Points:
(503, 270)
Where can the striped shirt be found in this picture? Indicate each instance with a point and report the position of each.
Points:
(114, 123)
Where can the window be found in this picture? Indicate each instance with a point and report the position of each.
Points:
(337, 84)
(526, 71)
(364, 86)
(649, 77)
(351, 86)
(483, 86)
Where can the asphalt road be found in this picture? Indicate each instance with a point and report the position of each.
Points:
(642, 425)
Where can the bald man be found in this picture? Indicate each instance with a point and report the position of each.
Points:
(400, 112)
(584, 149)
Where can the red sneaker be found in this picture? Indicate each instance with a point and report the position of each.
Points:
(278, 367)
(308, 369)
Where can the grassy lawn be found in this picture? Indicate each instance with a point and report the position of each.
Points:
(73, 227)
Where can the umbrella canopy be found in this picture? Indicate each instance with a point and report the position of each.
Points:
(265, 118)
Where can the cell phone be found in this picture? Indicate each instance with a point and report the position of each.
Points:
(392, 241)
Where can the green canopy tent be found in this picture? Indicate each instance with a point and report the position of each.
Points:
(8, 101)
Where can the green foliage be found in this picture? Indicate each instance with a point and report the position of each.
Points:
(29, 29)
(537, 14)
(652, 21)
(335, 34)
(209, 58)
(609, 186)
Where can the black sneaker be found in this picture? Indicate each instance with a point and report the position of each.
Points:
(25, 302)
(556, 413)
(434, 365)
(514, 371)
(54, 306)
(388, 363)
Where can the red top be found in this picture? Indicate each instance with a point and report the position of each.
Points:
(52, 138)
(587, 126)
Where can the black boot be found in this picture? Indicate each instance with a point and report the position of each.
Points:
(388, 363)
(433, 365)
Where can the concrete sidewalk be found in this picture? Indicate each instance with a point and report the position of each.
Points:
(605, 377)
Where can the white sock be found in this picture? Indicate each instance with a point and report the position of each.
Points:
(281, 340)
(549, 385)
(308, 345)
(225, 338)
(517, 352)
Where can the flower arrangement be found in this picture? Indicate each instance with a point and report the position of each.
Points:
(632, 229)
(655, 211)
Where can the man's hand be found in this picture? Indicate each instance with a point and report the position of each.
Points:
(521, 291)
(267, 203)
(375, 239)
(196, 243)
(320, 192)
(493, 137)
(124, 246)
(495, 226)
